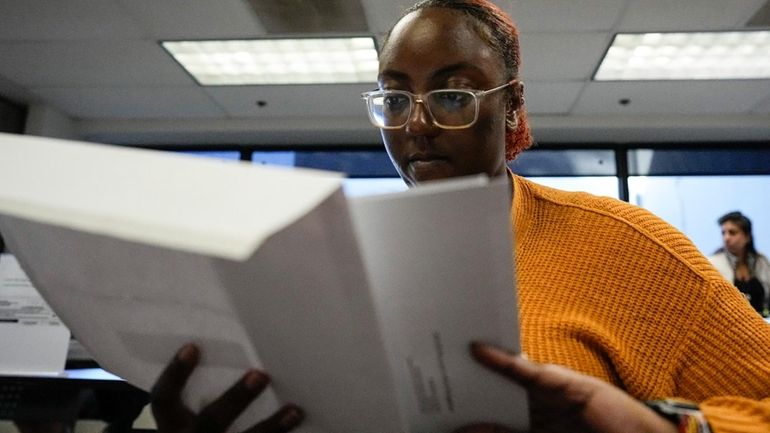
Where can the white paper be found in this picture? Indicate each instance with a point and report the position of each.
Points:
(141, 252)
(204, 206)
(34, 339)
(441, 266)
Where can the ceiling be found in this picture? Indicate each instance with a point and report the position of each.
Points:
(98, 65)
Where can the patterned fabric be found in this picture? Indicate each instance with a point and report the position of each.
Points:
(612, 291)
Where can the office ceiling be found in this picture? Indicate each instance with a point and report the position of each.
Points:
(99, 63)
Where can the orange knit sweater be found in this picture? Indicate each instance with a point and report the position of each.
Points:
(610, 290)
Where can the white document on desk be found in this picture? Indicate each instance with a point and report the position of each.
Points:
(360, 309)
(34, 339)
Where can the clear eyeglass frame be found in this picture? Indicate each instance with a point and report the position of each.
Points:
(414, 99)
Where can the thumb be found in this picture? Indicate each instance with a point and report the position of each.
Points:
(514, 367)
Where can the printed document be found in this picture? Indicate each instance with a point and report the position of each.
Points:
(34, 339)
(360, 309)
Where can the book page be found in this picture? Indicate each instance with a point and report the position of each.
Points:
(441, 263)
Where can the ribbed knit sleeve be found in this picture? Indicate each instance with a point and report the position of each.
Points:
(728, 364)
(610, 290)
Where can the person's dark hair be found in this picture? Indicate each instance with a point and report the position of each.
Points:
(743, 223)
(498, 30)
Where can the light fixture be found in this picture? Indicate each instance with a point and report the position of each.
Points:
(687, 56)
(277, 61)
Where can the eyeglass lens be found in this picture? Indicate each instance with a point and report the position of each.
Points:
(453, 108)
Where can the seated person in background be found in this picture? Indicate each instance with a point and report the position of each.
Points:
(617, 307)
(740, 263)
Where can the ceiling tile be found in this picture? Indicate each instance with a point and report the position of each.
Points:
(13, 91)
(563, 16)
(659, 15)
(382, 15)
(671, 97)
(328, 16)
(529, 15)
(182, 19)
(89, 63)
(551, 97)
(301, 101)
(133, 103)
(763, 107)
(100, 60)
(39, 20)
(561, 56)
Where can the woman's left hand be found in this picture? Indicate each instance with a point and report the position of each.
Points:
(563, 400)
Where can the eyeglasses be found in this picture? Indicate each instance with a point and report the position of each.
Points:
(448, 108)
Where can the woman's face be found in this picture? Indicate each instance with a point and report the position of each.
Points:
(436, 48)
(734, 238)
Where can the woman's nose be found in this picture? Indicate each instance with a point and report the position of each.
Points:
(420, 121)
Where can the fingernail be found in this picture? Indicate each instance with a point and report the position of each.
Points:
(523, 363)
(292, 417)
(476, 346)
(188, 353)
(255, 379)
(480, 348)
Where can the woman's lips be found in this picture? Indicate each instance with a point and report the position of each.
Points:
(427, 163)
(425, 167)
(426, 159)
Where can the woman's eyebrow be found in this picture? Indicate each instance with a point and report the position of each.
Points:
(453, 69)
(438, 74)
(392, 74)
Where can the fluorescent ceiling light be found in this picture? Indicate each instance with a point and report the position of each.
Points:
(687, 56)
(277, 61)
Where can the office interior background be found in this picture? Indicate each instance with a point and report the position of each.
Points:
(688, 149)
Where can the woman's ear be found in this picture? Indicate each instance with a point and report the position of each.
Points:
(515, 102)
(517, 95)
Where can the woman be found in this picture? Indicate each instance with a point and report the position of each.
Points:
(617, 308)
(738, 261)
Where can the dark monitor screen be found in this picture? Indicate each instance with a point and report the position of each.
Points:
(77, 394)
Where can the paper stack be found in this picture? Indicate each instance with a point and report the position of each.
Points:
(361, 310)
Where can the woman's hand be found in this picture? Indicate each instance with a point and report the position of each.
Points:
(172, 416)
(563, 400)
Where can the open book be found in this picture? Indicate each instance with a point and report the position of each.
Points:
(361, 310)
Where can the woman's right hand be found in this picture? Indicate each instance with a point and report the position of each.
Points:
(172, 416)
